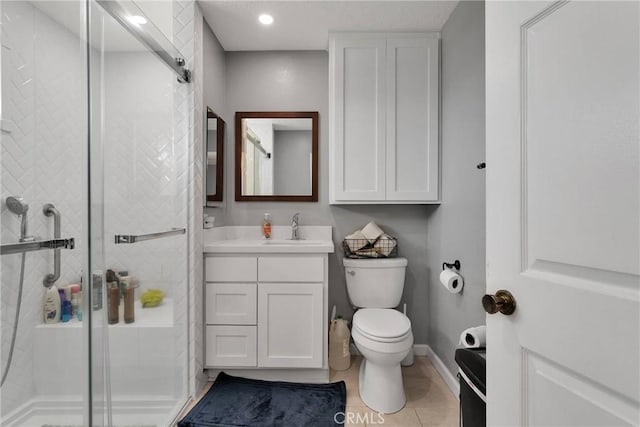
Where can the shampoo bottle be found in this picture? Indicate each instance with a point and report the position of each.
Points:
(129, 301)
(113, 297)
(51, 307)
(65, 305)
(266, 226)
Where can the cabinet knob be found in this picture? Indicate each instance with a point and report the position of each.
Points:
(351, 272)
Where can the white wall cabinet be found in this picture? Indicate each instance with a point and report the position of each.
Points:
(383, 102)
(277, 320)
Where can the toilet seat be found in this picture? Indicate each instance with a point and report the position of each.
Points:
(382, 324)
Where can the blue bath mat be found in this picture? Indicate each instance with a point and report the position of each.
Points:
(236, 401)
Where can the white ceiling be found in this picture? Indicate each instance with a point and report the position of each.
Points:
(305, 25)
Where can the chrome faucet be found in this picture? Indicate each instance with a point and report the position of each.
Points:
(294, 227)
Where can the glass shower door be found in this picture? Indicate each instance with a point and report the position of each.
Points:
(139, 172)
(43, 181)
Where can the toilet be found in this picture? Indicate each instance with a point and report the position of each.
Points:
(383, 335)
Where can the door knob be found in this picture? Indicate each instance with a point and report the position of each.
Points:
(502, 302)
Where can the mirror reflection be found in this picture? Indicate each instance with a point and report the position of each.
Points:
(214, 156)
(276, 156)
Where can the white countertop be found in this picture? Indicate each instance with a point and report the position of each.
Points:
(248, 239)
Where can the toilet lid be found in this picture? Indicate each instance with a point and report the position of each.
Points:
(381, 322)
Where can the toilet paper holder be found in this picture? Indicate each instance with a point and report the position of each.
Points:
(455, 264)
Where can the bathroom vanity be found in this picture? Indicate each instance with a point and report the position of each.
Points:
(266, 303)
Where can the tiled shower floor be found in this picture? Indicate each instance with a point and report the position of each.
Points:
(429, 400)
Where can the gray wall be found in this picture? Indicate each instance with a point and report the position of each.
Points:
(457, 227)
(215, 90)
(291, 162)
(298, 81)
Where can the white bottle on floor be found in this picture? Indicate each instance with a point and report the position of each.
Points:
(339, 353)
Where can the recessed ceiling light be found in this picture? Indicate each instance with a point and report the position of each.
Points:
(137, 19)
(265, 19)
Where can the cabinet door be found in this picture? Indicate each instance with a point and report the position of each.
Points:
(231, 303)
(412, 119)
(290, 325)
(357, 118)
(231, 268)
(230, 346)
(291, 269)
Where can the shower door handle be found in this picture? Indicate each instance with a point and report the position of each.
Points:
(134, 238)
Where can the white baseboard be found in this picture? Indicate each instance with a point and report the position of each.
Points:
(450, 380)
(420, 350)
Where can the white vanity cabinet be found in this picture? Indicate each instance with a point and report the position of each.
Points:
(383, 118)
(266, 310)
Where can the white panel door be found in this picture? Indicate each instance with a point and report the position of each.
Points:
(412, 119)
(357, 124)
(563, 212)
(290, 325)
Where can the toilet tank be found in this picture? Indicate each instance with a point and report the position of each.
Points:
(375, 283)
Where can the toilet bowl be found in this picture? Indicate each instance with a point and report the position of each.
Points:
(384, 338)
(383, 335)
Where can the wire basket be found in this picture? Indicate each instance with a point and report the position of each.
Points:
(383, 247)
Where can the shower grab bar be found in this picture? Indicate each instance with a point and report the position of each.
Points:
(49, 210)
(37, 245)
(131, 238)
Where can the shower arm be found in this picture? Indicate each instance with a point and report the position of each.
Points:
(49, 210)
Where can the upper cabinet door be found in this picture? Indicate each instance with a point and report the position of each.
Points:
(383, 112)
(412, 119)
(357, 118)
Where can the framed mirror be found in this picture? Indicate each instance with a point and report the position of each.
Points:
(276, 156)
(214, 157)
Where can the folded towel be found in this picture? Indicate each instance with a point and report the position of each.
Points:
(356, 241)
(385, 244)
(371, 232)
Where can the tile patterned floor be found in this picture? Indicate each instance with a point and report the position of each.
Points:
(429, 400)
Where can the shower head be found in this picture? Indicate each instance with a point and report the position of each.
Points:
(17, 205)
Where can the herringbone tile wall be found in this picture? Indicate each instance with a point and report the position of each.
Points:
(148, 138)
(42, 159)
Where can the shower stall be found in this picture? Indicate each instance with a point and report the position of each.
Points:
(94, 202)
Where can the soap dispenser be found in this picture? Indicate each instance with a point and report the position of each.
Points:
(266, 226)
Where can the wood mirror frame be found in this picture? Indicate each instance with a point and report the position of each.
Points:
(220, 131)
(313, 115)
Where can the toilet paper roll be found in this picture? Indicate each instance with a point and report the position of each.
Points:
(371, 231)
(474, 337)
(451, 280)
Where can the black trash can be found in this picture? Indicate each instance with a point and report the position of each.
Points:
(473, 388)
